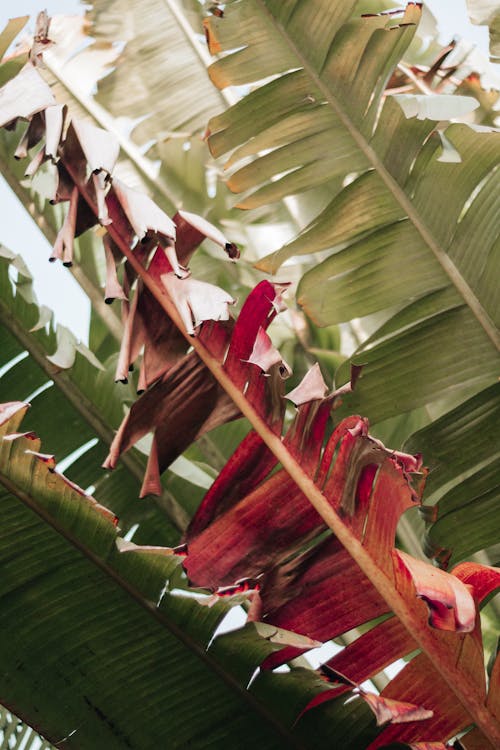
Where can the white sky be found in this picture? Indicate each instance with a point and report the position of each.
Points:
(54, 284)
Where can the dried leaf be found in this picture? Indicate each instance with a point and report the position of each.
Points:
(197, 301)
(63, 246)
(214, 234)
(143, 213)
(450, 602)
(265, 355)
(24, 95)
(54, 125)
(179, 408)
(100, 147)
(8, 409)
(113, 289)
(395, 712)
(311, 387)
(41, 39)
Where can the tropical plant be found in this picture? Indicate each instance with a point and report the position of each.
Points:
(298, 528)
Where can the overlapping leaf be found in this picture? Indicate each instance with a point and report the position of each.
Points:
(347, 491)
(67, 565)
(256, 538)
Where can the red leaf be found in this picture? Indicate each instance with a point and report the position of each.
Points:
(185, 403)
(484, 579)
(259, 309)
(421, 683)
(247, 467)
(317, 594)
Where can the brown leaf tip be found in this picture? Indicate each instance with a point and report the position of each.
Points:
(232, 250)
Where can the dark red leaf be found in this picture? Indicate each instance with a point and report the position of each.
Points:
(180, 407)
(247, 467)
(317, 594)
(261, 306)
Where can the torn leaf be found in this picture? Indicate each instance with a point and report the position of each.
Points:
(311, 387)
(143, 213)
(449, 600)
(265, 355)
(197, 301)
(24, 95)
(394, 712)
(210, 231)
(100, 147)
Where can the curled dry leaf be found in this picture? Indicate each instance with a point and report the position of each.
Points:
(265, 355)
(33, 135)
(24, 95)
(197, 301)
(143, 213)
(395, 712)
(211, 232)
(10, 408)
(311, 387)
(54, 126)
(100, 147)
(41, 40)
(113, 289)
(46, 458)
(63, 246)
(449, 600)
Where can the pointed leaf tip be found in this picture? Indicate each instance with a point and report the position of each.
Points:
(265, 355)
(8, 409)
(211, 232)
(392, 711)
(311, 388)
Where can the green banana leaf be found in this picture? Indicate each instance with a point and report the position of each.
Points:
(397, 236)
(463, 487)
(75, 403)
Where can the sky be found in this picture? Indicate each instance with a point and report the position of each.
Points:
(54, 285)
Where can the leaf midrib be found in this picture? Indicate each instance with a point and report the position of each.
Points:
(449, 268)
